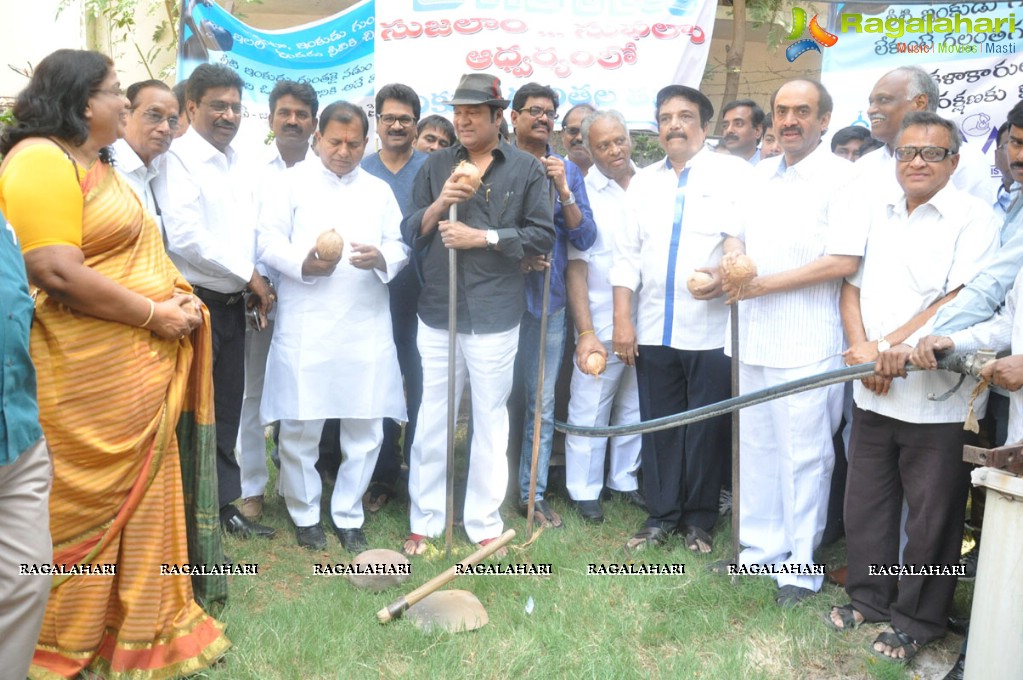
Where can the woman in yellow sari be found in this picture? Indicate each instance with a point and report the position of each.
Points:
(122, 354)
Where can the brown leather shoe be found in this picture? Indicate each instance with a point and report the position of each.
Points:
(252, 508)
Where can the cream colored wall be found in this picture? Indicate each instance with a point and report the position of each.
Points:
(30, 31)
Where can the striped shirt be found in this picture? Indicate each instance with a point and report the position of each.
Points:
(789, 225)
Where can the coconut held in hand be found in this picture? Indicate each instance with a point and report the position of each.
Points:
(738, 269)
(469, 175)
(595, 363)
(329, 245)
(698, 280)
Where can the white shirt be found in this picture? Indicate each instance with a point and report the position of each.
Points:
(332, 354)
(972, 175)
(792, 220)
(138, 176)
(209, 214)
(911, 261)
(643, 249)
(610, 213)
(269, 176)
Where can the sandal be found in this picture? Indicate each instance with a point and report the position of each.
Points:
(543, 515)
(501, 553)
(847, 615)
(415, 545)
(377, 496)
(896, 639)
(698, 540)
(647, 537)
(789, 596)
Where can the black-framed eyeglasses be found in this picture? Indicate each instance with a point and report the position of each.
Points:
(931, 154)
(155, 118)
(572, 131)
(222, 107)
(389, 119)
(537, 111)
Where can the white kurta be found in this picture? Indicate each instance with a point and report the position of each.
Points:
(332, 354)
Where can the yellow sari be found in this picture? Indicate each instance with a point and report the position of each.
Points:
(110, 399)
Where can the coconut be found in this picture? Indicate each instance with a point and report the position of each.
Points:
(698, 280)
(738, 269)
(381, 560)
(469, 175)
(329, 245)
(595, 363)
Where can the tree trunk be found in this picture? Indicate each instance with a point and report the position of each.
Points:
(733, 62)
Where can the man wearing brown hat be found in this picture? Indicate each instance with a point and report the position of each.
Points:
(506, 219)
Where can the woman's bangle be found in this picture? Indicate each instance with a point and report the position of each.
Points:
(582, 333)
(152, 310)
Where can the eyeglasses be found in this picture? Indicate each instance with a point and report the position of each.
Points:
(118, 92)
(931, 154)
(572, 131)
(537, 111)
(620, 142)
(389, 119)
(155, 118)
(222, 107)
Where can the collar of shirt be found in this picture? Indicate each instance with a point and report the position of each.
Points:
(274, 158)
(811, 166)
(203, 150)
(944, 202)
(348, 178)
(601, 182)
(692, 162)
(126, 159)
(499, 152)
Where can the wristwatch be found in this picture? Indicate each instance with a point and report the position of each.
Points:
(568, 201)
(493, 238)
(883, 345)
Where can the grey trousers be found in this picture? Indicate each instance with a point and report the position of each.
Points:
(25, 540)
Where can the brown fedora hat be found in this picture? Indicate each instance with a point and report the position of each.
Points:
(478, 88)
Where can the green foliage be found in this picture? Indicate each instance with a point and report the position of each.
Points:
(645, 148)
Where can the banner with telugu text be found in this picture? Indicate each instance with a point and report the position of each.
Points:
(609, 53)
(978, 72)
(335, 55)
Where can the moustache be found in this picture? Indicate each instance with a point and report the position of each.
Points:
(792, 128)
(225, 126)
(677, 135)
(575, 143)
(1016, 165)
(731, 138)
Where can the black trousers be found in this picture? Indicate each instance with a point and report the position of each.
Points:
(227, 323)
(683, 468)
(890, 459)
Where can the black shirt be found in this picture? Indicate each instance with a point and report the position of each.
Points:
(515, 201)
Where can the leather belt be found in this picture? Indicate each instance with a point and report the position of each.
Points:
(226, 299)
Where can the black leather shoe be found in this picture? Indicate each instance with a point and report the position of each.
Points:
(311, 538)
(590, 511)
(353, 540)
(635, 497)
(235, 524)
(958, 670)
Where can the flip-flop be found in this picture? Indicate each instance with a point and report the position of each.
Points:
(415, 545)
(847, 614)
(647, 537)
(377, 496)
(698, 540)
(895, 639)
(543, 514)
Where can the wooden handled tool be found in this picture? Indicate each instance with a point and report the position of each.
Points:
(398, 607)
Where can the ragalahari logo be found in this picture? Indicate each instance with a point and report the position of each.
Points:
(803, 46)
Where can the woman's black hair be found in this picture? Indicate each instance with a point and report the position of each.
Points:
(54, 102)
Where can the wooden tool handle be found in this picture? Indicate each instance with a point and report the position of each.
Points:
(398, 607)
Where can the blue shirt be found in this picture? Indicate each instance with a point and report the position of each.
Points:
(581, 238)
(406, 283)
(19, 411)
(986, 292)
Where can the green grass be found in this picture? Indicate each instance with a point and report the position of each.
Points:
(286, 623)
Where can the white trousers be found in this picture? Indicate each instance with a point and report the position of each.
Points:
(787, 457)
(488, 360)
(596, 401)
(299, 447)
(251, 439)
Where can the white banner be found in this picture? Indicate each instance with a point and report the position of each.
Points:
(609, 53)
(978, 69)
